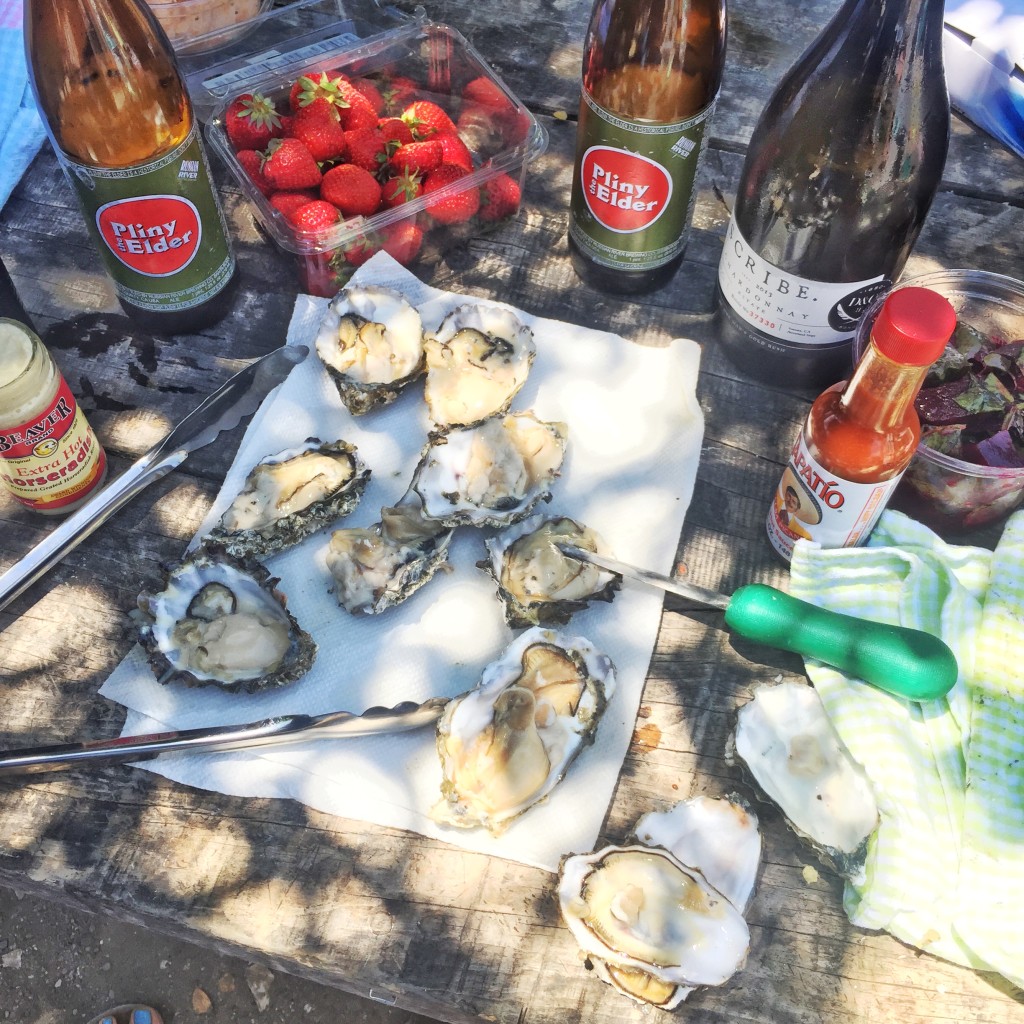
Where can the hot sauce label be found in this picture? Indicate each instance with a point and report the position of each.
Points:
(53, 460)
(817, 505)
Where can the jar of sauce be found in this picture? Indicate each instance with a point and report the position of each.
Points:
(50, 459)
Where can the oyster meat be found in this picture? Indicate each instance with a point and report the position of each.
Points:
(219, 621)
(785, 739)
(380, 566)
(371, 343)
(537, 584)
(476, 361)
(493, 474)
(290, 495)
(506, 744)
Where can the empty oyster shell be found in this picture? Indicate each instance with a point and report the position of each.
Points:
(218, 620)
(537, 584)
(492, 474)
(506, 744)
(788, 744)
(380, 566)
(477, 361)
(371, 343)
(290, 495)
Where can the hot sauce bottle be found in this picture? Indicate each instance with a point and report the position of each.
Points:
(860, 435)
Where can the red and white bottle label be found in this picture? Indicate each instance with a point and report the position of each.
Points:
(624, 191)
(815, 504)
(153, 235)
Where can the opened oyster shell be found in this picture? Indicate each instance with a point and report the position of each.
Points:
(788, 744)
(371, 343)
(537, 584)
(476, 361)
(506, 744)
(382, 565)
(290, 495)
(219, 621)
(490, 475)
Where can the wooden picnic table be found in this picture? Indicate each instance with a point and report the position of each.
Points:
(384, 913)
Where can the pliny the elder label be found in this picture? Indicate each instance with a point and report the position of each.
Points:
(793, 309)
(635, 187)
(158, 228)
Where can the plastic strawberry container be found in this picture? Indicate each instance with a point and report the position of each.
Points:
(362, 41)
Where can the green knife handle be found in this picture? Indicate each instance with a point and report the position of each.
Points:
(906, 662)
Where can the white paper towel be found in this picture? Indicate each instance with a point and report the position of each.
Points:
(635, 430)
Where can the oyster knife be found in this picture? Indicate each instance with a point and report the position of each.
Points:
(225, 408)
(278, 731)
(905, 662)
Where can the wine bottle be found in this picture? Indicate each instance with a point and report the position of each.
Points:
(651, 75)
(841, 169)
(121, 123)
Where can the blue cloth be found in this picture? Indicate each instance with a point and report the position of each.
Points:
(21, 131)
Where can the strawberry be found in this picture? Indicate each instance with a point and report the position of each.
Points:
(251, 121)
(316, 216)
(455, 150)
(401, 189)
(484, 90)
(288, 202)
(309, 87)
(252, 164)
(417, 157)
(318, 128)
(426, 119)
(355, 109)
(457, 207)
(499, 198)
(395, 131)
(370, 93)
(367, 148)
(290, 166)
(397, 92)
(402, 241)
(353, 190)
(481, 128)
(362, 249)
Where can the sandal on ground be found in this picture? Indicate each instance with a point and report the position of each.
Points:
(129, 1013)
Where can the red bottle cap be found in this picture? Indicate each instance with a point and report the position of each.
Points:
(913, 326)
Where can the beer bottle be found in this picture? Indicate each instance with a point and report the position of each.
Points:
(121, 123)
(651, 75)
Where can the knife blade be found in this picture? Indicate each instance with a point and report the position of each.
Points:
(905, 662)
(277, 731)
(225, 408)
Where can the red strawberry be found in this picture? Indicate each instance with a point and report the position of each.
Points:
(417, 157)
(426, 119)
(289, 202)
(370, 93)
(455, 150)
(499, 198)
(355, 109)
(353, 190)
(290, 166)
(457, 207)
(251, 121)
(318, 128)
(362, 249)
(367, 149)
(309, 87)
(316, 216)
(395, 131)
(484, 90)
(402, 189)
(402, 241)
(252, 164)
(397, 92)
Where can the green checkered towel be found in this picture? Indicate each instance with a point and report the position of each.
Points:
(945, 869)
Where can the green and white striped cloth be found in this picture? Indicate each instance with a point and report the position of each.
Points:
(945, 869)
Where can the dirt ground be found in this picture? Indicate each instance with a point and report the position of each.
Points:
(60, 966)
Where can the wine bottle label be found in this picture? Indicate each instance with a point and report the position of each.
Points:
(791, 308)
(158, 227)
(54, 459)
(633, 193)
(819, 506)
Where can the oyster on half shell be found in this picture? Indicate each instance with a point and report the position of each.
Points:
(476, 361)
(506, 744)
(371, 343)
(219, 621)
(493, 474)
(290, 495)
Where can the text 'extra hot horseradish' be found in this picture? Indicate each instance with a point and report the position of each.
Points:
(50, 459)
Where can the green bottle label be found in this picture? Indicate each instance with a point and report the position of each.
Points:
(632, 193)
(158, 227)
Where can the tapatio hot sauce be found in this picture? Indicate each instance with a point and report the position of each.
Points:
(861, 435)
(50, 459)
(122, 126)
(651, 74)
